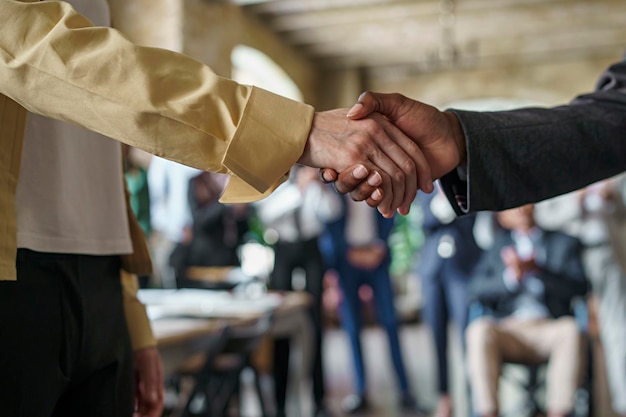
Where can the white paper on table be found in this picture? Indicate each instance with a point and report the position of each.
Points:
(204, 303)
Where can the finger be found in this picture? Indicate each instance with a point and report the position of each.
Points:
(375, 198)
(351, 178)
(395, 145)
(420, 165)
(363, 189)
(328, 175)
(365, 105)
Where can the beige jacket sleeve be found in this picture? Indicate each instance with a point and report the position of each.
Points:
(137, 320)
(55, 63)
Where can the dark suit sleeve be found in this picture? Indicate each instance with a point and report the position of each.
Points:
(527, 155)
(564, 275)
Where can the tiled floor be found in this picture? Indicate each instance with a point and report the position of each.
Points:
(420, 362)
(382, 391)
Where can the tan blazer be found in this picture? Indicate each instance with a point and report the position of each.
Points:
(55, 63)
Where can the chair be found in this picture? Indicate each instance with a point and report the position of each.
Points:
(217, 373)
(531, 379)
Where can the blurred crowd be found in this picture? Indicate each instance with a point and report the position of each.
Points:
(534, 285)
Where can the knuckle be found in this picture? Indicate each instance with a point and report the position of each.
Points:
(399, 177)
(409, 166)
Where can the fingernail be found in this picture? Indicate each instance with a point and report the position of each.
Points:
(375, 179)
(354, 110)
(325, 177)
(359, 172)
(376, 195)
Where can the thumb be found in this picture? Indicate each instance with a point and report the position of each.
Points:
(366, 104)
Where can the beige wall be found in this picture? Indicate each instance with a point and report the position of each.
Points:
(551, 83)
(208, 31)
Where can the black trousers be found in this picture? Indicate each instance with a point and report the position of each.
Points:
(288, 257)
(64, 344)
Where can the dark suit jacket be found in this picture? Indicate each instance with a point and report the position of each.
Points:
(527, 155)
(561, 272)
(460, 230)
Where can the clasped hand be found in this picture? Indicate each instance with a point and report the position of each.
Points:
(384, 149)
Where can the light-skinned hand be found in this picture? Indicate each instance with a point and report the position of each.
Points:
(149, 389)
(340, 143)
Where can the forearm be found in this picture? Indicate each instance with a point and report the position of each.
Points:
(527, 155)
(53, 62)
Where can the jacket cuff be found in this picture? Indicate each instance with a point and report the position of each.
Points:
(269, 141)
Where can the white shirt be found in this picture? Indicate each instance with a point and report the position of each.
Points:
(360, 224)
(168, 183)
(70, 195)
(314, 207)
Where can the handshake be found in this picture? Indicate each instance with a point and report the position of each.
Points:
(384, 149)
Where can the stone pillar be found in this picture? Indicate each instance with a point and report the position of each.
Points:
(340, 88)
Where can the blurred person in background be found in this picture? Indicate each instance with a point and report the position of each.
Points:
(597, 216)
(217, 229)
(521, 297)
(355, 246)
(295, 216)
(170, 216)
(446, 261)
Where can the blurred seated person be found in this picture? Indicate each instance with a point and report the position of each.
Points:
(217, 229)
(525, 284)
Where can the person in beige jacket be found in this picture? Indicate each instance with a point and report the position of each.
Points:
(54, 62)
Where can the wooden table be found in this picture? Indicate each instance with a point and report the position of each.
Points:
(180, 338)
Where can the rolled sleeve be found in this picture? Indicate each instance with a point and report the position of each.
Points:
(270, 140)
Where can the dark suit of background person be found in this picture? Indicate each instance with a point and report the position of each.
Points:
(528, 155)
(365, 261)
(217, 229)
(526, 318)
(296, 214)
(446, 261)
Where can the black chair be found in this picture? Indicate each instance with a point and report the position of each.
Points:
(216, 376)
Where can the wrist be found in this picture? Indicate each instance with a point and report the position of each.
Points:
(457, 137)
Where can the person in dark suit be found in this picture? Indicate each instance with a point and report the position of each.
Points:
(524, 286)
(504, 159)
(446, 261)
(355, 245)
(216, 233)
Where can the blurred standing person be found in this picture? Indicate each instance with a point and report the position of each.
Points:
(356, 247)
(297, 212)
(446, 262)
(217, 229)
(168, 183)
(602, 232)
